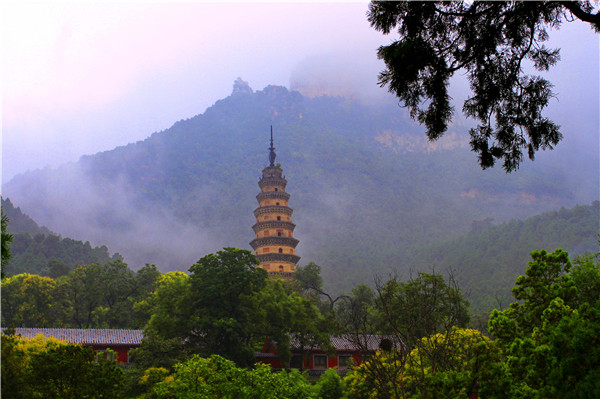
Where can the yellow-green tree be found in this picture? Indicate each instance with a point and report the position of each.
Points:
(454, 364)
(45, 367)
(29, 300)
(216, 377)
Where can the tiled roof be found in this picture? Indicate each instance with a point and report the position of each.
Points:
(352, 342)
(86, 336)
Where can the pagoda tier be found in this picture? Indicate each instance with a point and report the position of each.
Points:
(274, 244)
(274, 241)
(274, 224)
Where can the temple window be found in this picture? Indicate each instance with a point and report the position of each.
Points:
(320, 361)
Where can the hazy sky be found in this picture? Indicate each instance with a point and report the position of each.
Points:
(78, 78)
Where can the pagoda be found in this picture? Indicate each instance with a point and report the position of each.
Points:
(274, 245)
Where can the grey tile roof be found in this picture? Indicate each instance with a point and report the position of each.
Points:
(86, 336)
(353, 342)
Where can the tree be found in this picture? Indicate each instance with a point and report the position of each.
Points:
(170, 312)
(83, 288)
(29, 300)
(6, 240)
(550, 337)
(330, 385)
(45, 367)
(420, 307)
(223, 293)
(456, 363)
(490, 42)
(216, 377)
(281, 312)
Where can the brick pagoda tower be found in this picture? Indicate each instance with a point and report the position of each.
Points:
(274, 244)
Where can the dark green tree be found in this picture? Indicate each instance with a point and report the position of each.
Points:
(420, 307)
(489, 42)
(6, 240)
(223, 298)
(550, 337)
(71, 371)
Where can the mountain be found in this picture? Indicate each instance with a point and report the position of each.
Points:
(18, 222)
(37, 250)
(487, 260)
(366, 188)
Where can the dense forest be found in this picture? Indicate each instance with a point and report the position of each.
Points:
(201, 330)
(487, 260)
(366, 188)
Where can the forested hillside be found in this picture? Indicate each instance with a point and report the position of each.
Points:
(37, 250)
(366, 188)
(20, 222)
(487, 260)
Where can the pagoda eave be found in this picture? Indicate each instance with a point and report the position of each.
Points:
(277, 257)
(270, 209)
(274, 241)
(273, 224)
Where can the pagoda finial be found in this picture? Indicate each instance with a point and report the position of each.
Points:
(272, 150)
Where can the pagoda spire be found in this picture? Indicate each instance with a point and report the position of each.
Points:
(274, 243)
(272, 154)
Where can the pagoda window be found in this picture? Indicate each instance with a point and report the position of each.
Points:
(278, 217)
(280, 250)
(276, 189)
(266, 233)
(289, 234)
(280, 268)
(277, 203)
(267, 249)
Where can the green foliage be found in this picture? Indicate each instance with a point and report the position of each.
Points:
(330, 385)
(49, 368)
(421, 307)
(281, 312)
(29, 300)
(453, 364)
(550, 337)
(6, 240)
(357, 314)
(48, 255)
(456, 363)
(488, 42)
(216, 377)
(91, 296)
(489, 259)
(223, 290)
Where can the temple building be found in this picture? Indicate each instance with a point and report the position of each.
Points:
(274, 245)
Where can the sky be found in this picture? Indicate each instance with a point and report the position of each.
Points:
(79, 78)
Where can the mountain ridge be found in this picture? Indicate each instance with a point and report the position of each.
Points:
(189, 190)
